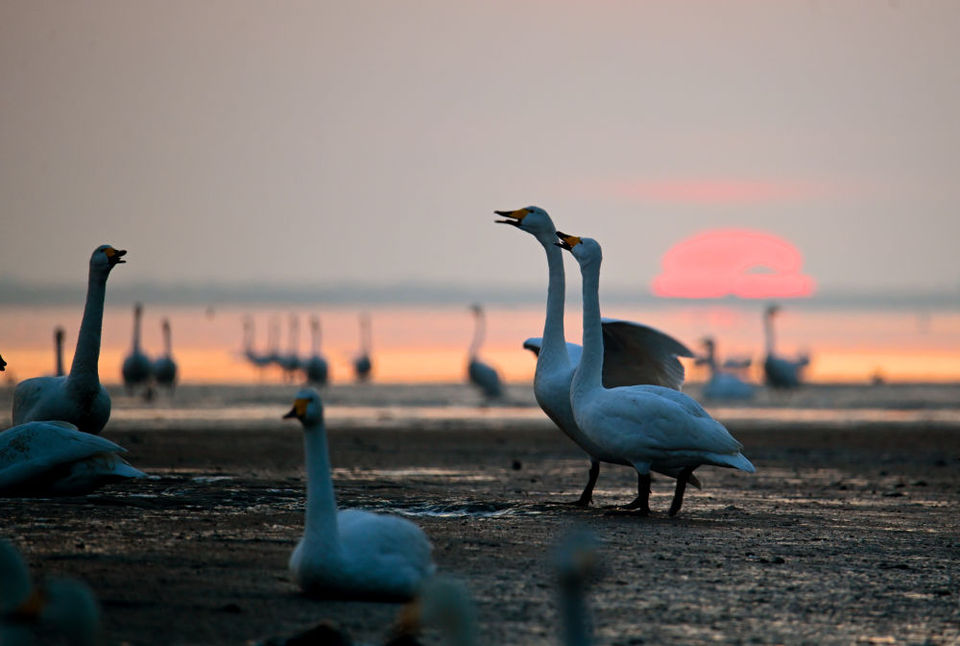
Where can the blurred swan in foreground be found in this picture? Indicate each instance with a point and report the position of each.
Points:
(651, 427)
(481, 374)
(165, 368)
(77, 398)
(721, 385)
(56, 459)
(779, 372)
(632, 353)
(137, 368)
(362, 364)
(58, 334)
(316, 367)
(350, 553)
(29, 612)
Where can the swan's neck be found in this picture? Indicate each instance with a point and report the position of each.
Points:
(136, 330)
(589, 372)
(320, 526)
(84, 368)
(479, 330)
(768, 333)
(576, 623)
(58, 348)
(712, 360)
(316, 338)
(553, 351)
(167, 345)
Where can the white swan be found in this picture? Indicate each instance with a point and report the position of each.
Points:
(316, 367)
(68, 606)
(632, 353)
(651, 427)
(350, 553)
(779, 372)
(362, 364)
(481, 374)
(165, 368)
(77, 398)
(55, 459)
(721, 385)
(58, 334)
(136, 368)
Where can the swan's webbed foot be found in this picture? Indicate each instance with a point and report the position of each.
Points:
(682, 479)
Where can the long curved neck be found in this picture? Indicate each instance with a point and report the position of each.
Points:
(768, 332)
(167, 344)
(479, 330)
(589, 372)
(58, 350)
(553, 350)
(136, 329)
(321, 512)
(87, 355)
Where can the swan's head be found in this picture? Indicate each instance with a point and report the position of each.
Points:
(772, 310)
(531, 219)
(585, 250)
(106, 257)
(307, 407)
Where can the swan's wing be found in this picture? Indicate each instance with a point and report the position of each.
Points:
(638, 354)
(574, 350)
(28, 393)
(30, 449)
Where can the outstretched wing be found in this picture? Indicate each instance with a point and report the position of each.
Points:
(574, 350)
(639, 354)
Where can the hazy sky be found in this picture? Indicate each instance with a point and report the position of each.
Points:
(321, 142)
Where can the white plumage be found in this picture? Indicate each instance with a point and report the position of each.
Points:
(632, 353)
(350, 553)
(77, 398)
(56, 459)
(721, 384)
(651, 427)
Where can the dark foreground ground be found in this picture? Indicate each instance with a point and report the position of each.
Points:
(843, 536)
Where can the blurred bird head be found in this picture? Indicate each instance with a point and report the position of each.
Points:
(307, 407)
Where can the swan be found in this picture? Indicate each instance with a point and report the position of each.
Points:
(58, 334)
(65, 605)
(722, 385)
(136, 367)
(316, 366)
(633, 353)
(362, 365)
(350, 553)
(259, 360)
(165, 368)
(651, 427)
(55, 459)
(77, 398)
(482, 375)
(779, 372)
(290, 362)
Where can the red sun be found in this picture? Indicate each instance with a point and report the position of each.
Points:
(733, 262)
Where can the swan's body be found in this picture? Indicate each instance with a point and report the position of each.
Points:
(56, 459)
(633, 353)
(77, 398)
(316, 367)
(58, 334)
(65, 605)
(722, 385)
(350, 553)
(362, 364)
(481, 374)
(650, 427)
(165, 368)
(779, 372)
(137, 368)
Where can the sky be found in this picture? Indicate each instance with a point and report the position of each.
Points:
(345, 143)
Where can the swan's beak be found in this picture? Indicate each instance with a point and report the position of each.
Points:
(115, 255)
(567, 241)
(515, 217)
(299, 409)
(3, 364)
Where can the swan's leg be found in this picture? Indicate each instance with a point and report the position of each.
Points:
(682, 478)
(587, 494)
(642, 501)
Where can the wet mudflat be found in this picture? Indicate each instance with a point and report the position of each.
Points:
(844, 535)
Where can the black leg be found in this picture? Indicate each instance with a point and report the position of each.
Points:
(682, 478)
(587, 494)
(642, 501)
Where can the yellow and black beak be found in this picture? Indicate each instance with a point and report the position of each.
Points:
(513, 217)
(567, 241)
(115, 256)
(299, 409)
